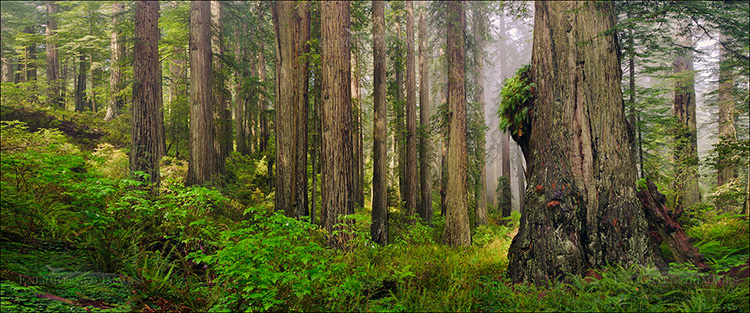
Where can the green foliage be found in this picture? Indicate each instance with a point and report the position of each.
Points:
(516, 99)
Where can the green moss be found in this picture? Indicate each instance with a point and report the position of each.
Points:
(516, 98)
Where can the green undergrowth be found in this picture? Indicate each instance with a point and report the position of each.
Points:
(80, 234)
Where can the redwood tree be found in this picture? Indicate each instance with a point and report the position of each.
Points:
(336, 155)
(202, 161)
(116, 101)
(425, 147)
(411, 115)
(379, 228)
(292, 27)
(147, 132)
(581, 211)
(54, 86)
(457, 214)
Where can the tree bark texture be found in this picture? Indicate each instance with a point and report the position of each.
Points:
(147, 132)
(292, 26)
(479, 27)
(664, 228)
(222, 114)
(358, 179)
(456, 231)
(53, 62)
(202, 161)
(727, 170)
(336, 157)
(410, 170)
(379, 228)
(399, 136)
(580, 211)
(687, 192)
(425, 147)
(117, 49)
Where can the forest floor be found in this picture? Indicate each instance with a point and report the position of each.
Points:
(78, 236)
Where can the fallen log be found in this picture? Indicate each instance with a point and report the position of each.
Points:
(664, 228)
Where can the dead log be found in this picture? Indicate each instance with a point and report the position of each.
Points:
(664, 228)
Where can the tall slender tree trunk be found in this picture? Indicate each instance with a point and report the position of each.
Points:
(240, 119)
(336, 157)
(581, 211)
(202, 161)
(80, 93)
(479, 27)
(379, 228)
(356, 131)
(425, 147)
(457, 215)
(399, 142)
(222, 114)
(177, 90)
(727, 170)
(116, 101)
(506, 207)
(53, 63)
(686, 139)
(410, 170)
(146, 133)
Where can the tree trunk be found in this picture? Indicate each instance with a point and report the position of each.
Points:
(457, 215)
(53, 63)
(116, 101)
(240, 120)
(686, 139)
(727, 170)
(399, 143)
(202, 161)
(291, 23)
(146, 133)
(581, 211)
(410, 169)
(632, 116)
(356, 131)
(665, 229)
(506, 208)
(336, 157)
(521, 178)
(379, 228)
(479, 28)
(177, 90)
(80, 96)
(425, 147)
(222, 114)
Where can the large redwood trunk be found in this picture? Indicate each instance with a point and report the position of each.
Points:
(292, 26)
(336, 157)
(202, 162)
(147, 132)
(581, 211)
(456, 231)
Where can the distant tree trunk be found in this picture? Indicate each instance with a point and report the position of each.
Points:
(91, 101)
(336, 156)
(411, 115)
(222, 114)
(379, 228)
(479, 28)
(727, 170)
(357, 178)
(7, 69)
(146, 134)
(291, 23)
(581, 211)
(507, 193)
(457, 215)
(53, 63)
(202, 162)
(177, 90)
(80, 93)
(116, 101)
(425, 147)
(399, 141)
(29, 59)
(63, 82)
(240, 116)
(686, 139)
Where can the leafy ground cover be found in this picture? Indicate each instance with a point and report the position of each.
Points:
(79, 235)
